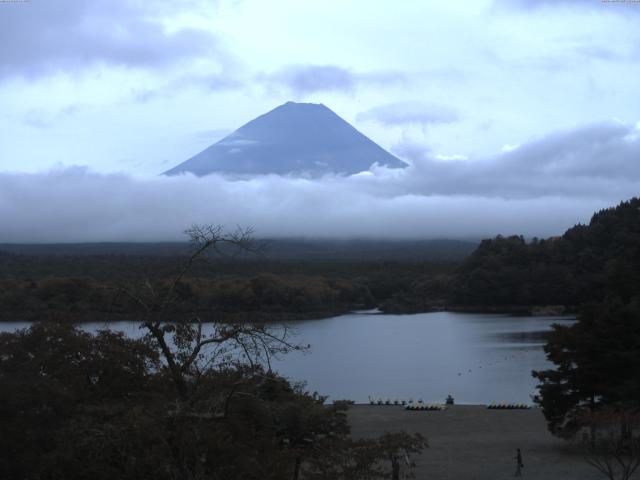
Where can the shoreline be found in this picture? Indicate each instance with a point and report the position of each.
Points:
(275, 317)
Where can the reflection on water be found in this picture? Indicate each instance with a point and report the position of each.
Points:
(477, 358)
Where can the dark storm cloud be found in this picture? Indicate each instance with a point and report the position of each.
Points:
(44, 36)
(409, 113)
(308, 79)
(540, 188)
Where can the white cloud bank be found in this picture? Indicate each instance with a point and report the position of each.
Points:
(75, 205)
(539, 189)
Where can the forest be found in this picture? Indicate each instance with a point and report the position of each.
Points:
(79, 287)
(507, 273)
(587, 263)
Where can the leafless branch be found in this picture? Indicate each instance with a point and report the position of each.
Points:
(183, 344)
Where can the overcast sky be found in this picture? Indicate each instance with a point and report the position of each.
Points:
(517, 116)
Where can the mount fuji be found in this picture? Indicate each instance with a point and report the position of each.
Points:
(300, 139)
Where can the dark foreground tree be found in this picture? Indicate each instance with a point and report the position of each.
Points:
(597, 362)
(186, 401)
(79, 406)
(57, 383)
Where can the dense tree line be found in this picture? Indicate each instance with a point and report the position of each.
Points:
(75, 287)
(588, 263)
(280, 249)
(81, 299)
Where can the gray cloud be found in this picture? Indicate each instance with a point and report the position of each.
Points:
(540, 188)
(409, 113)
(601, 160)
(611, 6)
(307, 79)
(76, 205)
(39, 37)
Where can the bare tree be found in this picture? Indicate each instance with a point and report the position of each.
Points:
(187, 345)
(613, 444)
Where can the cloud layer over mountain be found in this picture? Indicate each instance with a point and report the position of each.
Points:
(540, 188)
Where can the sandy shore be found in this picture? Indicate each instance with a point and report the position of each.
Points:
(472, 442)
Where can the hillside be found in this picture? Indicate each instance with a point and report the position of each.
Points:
(587, 263)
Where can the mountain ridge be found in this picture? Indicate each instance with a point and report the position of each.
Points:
(304, 139)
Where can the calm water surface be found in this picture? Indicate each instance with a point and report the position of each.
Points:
(477, 358)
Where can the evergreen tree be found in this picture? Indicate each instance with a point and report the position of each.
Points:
(597, 363)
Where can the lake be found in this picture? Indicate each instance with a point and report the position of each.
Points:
(477, 358)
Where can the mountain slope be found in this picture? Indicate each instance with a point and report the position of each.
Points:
(294, 138)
